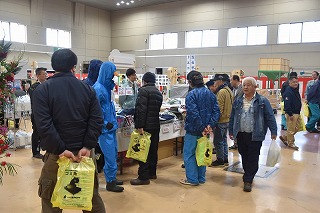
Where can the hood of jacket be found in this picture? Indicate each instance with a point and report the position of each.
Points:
(93, 71)
(106, 74)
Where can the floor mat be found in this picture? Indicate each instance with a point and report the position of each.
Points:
(263, 172)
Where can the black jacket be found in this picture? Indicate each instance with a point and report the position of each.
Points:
(147, 107)
(67, 114)
(292, 101)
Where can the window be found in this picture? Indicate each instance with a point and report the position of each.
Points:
(202, 38)
(253, 35)
(257, 35)
(58, 38)
(11, 31)
(289, 33)
(237, 36)
(164, 41)
(311, 31)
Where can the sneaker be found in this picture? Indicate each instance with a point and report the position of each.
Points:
(113, 187)
(217, 163)
(38, 156)
(234, 146)
(292, 146)
(226, 163)
(283, 141)
(247, 187)
(185, 182)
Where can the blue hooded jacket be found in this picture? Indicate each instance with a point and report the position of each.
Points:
(103, 87)
(93, 72)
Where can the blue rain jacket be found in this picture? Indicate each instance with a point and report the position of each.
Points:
(93, 72)
(103, 87)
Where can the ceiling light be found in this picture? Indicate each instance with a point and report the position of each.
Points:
(118, 4)
(127, 3)
(122, 2)
(132, 1)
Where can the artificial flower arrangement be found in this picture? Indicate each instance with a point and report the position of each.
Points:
(7, 71)
(5, 167)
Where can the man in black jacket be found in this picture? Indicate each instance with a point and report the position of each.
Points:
(41, 74)
(292, 107)
(69, 119)
(146, 118)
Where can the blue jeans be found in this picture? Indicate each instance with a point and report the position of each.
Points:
(220, 141)
(315, 116)
(195, 174)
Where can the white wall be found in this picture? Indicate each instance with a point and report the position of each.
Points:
(90, 28)
(131, 27)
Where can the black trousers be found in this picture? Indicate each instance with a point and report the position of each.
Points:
(149, 168)
(249, 151)
(35, 138)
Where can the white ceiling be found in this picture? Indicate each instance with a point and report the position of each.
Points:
(110, 5)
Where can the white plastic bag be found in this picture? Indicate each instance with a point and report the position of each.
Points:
(273, 154)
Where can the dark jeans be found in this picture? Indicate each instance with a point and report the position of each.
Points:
(249, 151)
(149, 168)
(35, 138)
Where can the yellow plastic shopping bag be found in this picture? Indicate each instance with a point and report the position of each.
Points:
(305, 108)
(139, 146)
(204, 151)
(75, 182)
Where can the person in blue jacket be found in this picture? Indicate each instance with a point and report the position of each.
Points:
(250, 118)
(108, 138)
(93, 72)
(201, 117)
(313, 99)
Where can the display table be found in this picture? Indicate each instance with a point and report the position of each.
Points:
(172, 130)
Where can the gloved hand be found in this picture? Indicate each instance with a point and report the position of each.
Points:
(109, 126)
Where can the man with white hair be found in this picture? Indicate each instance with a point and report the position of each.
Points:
(250, 118)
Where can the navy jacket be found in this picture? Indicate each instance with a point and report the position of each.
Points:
(292, 101)
(67, 114)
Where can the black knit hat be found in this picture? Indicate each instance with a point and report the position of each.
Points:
(210, 83)
(149, 77)
(63, 60)
(195, 77)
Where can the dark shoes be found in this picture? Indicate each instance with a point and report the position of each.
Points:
(283, 141)
(38, 156)
(119, 182)
(247, 187)
(312, 130)
(217, 163)
(153, 177)
(234, 146)
(292, 146)
(214, 151)
(113, 187)
(137, 181)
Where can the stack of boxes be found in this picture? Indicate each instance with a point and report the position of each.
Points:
(274, 64)
(272, 95)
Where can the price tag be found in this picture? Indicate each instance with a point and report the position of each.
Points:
(121, 91)
(176, 125)
(165, 128)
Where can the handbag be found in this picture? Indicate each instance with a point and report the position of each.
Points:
(273, 154)
(204, 151)
(139, 146)
(75, 182)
